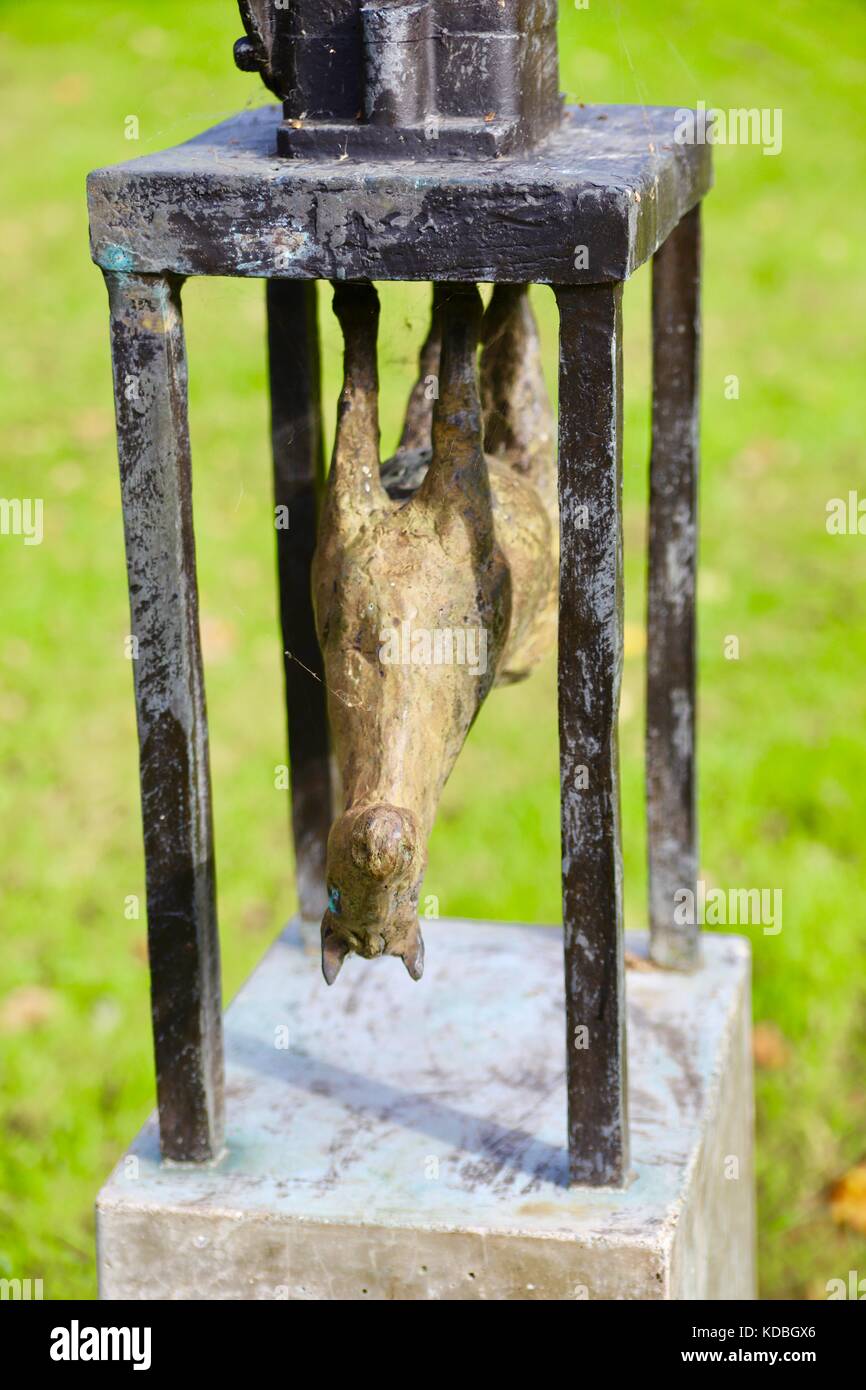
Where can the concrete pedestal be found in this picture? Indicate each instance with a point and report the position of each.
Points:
(392, 1140)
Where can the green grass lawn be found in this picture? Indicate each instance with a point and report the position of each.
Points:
(783, 758)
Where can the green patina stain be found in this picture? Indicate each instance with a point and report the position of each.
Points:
(117, 258)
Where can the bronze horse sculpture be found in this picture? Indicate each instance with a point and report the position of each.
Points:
(452, 543)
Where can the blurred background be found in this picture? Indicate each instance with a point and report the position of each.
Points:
(782, 751)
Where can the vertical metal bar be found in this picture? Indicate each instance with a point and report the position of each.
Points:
(150, 384)
(590, 669)
(670, 732)
(296, 433)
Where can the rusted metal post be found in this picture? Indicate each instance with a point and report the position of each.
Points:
(671, 662)
(149, 364)
(590, 667)
(296, 434)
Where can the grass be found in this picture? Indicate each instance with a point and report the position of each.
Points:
(783, 761)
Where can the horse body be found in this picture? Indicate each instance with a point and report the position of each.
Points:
(434, 579)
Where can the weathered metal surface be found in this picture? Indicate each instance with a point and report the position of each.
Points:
(308, 52)
(594, 201)
(296, 435)
(671, 660)
(150, 380)
(411, 1144)
(590, 669)
(419, 79)
(399, 63)
(424, 603)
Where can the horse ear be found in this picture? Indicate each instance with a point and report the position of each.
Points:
(413, 956)
(334, 952)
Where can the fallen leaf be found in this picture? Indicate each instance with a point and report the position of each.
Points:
(769, 1048)
(848, 1200)
(27, 1007)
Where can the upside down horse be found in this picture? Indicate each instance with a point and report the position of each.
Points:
(457, 532)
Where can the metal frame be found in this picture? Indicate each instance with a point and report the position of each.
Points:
(299, 472)
(610, 190)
